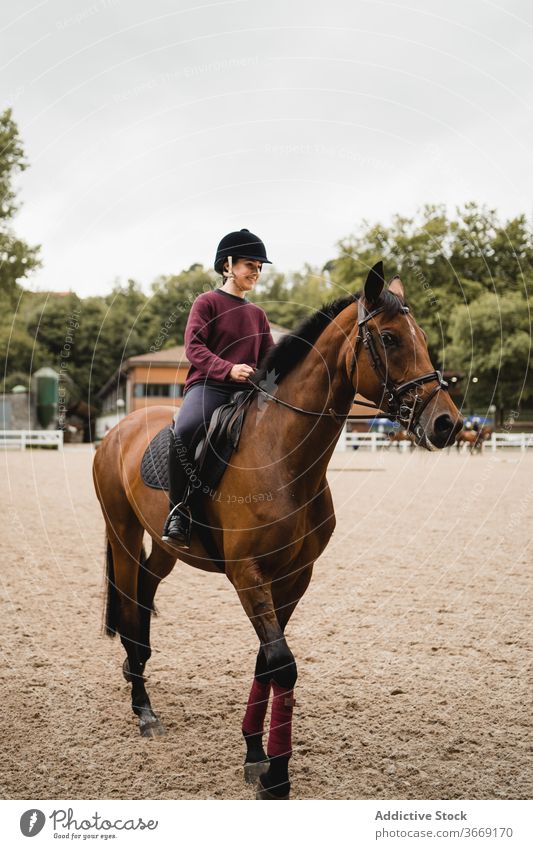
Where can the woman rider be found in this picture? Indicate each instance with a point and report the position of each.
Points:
(225, 339)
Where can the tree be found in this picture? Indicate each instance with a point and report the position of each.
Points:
(491, 342)
(287, 300)
(171, 300)
(442, 261)
(17, 259)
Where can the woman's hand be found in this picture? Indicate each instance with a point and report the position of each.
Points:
(241, 371)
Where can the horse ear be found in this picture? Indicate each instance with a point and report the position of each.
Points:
(396, 287)
(374, 283)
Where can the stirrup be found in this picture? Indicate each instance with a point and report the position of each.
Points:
(185, 511)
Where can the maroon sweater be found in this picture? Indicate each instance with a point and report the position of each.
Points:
(223, 330)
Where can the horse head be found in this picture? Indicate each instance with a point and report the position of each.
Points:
(388, 363)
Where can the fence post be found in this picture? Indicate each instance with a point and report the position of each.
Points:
(373, 442)
(23, 440)
(493, 440)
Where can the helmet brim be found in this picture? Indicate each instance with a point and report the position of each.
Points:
(219, 266)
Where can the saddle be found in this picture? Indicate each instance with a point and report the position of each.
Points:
(222, 438)
(212, 456)
(213, 452)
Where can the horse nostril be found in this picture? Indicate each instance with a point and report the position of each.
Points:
(444, 426)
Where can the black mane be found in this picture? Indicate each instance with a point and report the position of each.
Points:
(292, 348)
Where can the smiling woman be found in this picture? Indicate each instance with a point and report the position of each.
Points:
(225, 339)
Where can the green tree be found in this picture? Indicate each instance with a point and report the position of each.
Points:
(170, 302)
(87, 339)
(442, 261)
(491, 343)
(48, 318)
(17, 259)
(289, 299)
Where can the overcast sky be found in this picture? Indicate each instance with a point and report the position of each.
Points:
(153, 128)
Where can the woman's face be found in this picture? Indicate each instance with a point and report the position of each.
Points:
(246, 273)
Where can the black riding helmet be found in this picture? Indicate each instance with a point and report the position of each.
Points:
(241, 244)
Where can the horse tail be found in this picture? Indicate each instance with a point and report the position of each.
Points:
(110, 625)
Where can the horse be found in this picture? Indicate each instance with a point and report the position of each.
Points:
(366, 343)
(400, 437)
(473, 439)
(486, 432)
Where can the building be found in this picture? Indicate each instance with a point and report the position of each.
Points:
(18, 410)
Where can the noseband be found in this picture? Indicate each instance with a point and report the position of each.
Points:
(404, 410)
(398, 405)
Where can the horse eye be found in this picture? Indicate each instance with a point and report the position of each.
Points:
(388, 340)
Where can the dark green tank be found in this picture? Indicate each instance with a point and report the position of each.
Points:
(46, 390)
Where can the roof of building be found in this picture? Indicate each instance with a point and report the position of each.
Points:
(174, 356)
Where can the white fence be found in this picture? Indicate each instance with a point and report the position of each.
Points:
(22, 438)
(510, 440)
(362, 440)
(375, 441)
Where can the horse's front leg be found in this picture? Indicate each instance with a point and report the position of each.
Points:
(277, 663)
(256, 761)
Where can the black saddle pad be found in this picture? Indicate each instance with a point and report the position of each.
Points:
(154, 464)
(213, 453)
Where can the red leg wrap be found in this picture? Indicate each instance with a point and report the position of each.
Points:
(254, 718)
(279, 739)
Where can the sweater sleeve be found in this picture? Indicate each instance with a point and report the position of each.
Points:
(267, 342)
(196, 343)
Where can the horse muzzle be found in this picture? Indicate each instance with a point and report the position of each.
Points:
(440, 432)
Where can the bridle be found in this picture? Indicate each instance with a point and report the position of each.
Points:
(404, 410)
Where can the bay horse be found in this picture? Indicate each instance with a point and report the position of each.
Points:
(473, 439)
(400, 437)
(368, 344)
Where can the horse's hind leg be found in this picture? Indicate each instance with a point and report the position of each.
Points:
(125, 616)
(152, 571)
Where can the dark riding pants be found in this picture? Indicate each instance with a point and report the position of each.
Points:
(199, 404)
(192, 422)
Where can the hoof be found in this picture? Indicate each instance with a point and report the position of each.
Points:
(253, 771)
(264, 794)
(151, 728)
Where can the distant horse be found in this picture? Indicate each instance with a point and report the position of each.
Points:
(397, 437)
(486, 432)
(473, 439)
(368, 344)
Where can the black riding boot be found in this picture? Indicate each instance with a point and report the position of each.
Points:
(178, 524)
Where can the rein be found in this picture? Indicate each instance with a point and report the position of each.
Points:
(398, 408)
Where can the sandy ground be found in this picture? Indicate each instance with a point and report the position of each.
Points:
(411, 643)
